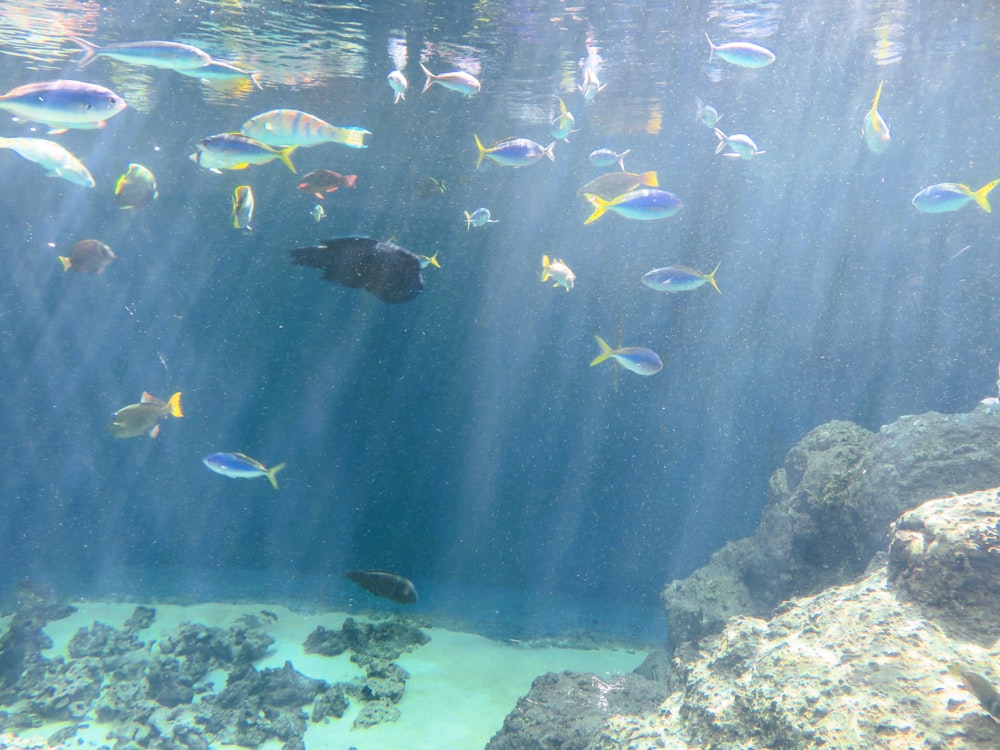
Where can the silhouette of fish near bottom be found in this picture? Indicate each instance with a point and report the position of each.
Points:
(387, 585)
(383, 269)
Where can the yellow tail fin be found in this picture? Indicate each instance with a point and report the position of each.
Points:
(353, 137)
(600, 206)
(174, 405)
(482, 151)
(66, 263)
(711, 277)
(285, 156)
(545, 265)
(606, 351)
(980, 196)
(649, 179)
(272, 471)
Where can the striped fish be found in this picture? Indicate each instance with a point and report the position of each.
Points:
(292, 127)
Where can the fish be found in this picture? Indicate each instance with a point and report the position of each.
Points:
(318, 213)
(609, 186)
(605, 157)
(219, 72)
(460, 81)
(980, 687)
(644, 204)
(136, 188)
(145, 417)
(591, 85)
(87, 256)
(479, 218)
(951, 196)
(382, 269)
(52, 157)
(874, 129)
(399, 84)
(391, 586)
(741, 144)
(428, 187)
(241, 466)
(707, 114)
(237, 151)
(63, 104)
(562, 123)
(243, 207)
(153, 54)
(635, 359)
(321, 181)
(429, 260)
(741, 54)
(514, 152)
(558, 270)
(679, 279)
(292, 127)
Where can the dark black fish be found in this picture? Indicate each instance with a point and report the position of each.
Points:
(387, 585)
(386, 270)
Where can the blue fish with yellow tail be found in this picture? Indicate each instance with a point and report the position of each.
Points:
(237, 151)
(740, 54)
(679, 279)
(644, 204)
(635, 359)
(562, 123)
(875, 130)
(241, 466)
(292, 127)
(514, 152)
(951, 196)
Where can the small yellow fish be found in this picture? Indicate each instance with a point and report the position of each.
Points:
(145, 417)
(875, 130)
(556, 269)
(243, 207)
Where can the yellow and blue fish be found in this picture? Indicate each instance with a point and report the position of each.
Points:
(644, 204)
(562, 123)
(62, 104)
(514, 152)
(875, 130)
(241, 466)
(679, 279)
(292, 127)
(951, 196)
(238, 151)
(635, 359)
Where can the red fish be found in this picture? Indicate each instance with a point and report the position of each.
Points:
(322, 181)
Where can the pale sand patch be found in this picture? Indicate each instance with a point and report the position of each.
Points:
(460, 689)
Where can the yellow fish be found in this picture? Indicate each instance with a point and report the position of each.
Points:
(875, 130)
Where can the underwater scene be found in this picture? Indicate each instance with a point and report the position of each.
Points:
(499, 374)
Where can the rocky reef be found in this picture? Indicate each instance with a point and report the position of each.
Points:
(863, 613)
(158, 695)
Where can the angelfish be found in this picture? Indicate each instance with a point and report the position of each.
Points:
(875, 130)
(241, 466)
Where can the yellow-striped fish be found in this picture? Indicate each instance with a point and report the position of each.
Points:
(292, 127)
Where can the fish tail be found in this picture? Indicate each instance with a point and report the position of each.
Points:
(600, 206)
(66, 263)
(271, 474)
(711, 47)
(353, 137)
(606, 351)
(430, 78)
(89, 51)
(722, 140)
(711, 277)
(878, 93)
(174, 405)
(482, 150)
(433, 260)
(468, 219)
(545, 268)
(621, 158)
(548, 151)
(649, 179)
(981, 195)
(285, 155)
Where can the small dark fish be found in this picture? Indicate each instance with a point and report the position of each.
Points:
(387, 585)
(383, 269)
(88, 256)
(321, 181)
(427, 187)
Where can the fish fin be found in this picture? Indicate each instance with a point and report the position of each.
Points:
(56, 130)
(351, 136)
(621, 158)
(155, 431)
(711, 277)
(468, 219)
(600, 206)
(89, 51)
(545, 267)
(649, 179)
(174, 405)
(66, 263)
(981, 195)
(549, 153)
(149, 398)
(711, 47)
(272, 471)
(606, 351)
(430, 78)
(482, 150)
(285, 155)
(722, 140)
(255, 77)
(874, 111)
(433, 260)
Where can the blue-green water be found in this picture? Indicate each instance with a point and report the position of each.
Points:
(461, 439)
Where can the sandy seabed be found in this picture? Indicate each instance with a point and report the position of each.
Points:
(460, 689)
